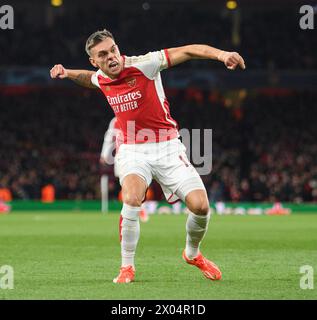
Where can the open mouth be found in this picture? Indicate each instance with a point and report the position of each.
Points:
(113, 65)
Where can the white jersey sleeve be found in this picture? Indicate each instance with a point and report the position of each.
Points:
(94, 78)
(150, 64)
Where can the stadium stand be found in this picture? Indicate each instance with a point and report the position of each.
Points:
(264, 145)
(263, 150)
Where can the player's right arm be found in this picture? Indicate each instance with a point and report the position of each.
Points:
(80, 77)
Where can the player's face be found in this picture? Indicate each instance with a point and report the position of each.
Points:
(106, 56)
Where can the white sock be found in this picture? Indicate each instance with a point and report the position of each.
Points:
(196, 227)
(130, 233)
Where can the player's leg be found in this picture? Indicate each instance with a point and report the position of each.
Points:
(135, 176)
(196, 228)
(133, 193)
(179, 178)
(197, 222)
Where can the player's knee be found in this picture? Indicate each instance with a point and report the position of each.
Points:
(198, 203)
(201, 208)
(132, 199)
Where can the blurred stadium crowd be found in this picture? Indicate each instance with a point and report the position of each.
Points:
(59, 34)
(264, 140)
(263, 150)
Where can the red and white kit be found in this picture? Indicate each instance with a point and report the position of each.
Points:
(149, 144)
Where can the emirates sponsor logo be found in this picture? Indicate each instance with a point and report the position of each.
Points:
(123, 98)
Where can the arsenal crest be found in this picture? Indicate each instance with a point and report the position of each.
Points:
(131, 82)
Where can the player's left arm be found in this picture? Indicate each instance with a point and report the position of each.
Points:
(202, 51)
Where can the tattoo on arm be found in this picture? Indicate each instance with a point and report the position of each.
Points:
(84, 79)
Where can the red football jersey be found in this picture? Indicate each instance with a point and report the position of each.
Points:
(138, 100)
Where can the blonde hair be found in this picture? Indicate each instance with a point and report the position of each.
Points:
(96, 38)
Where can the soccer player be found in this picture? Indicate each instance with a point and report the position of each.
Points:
(111, 143)
(150, 148)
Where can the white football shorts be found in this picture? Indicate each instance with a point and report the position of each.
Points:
(166, 162)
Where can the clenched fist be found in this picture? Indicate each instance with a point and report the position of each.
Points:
(231, 59)
(58, 71)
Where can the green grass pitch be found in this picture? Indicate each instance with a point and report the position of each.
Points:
(76, 255)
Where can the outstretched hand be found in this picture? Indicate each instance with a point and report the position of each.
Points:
(58, 71)
(231, 60)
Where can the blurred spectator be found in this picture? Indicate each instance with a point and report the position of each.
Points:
(266, 154)
(44, 35)
(48, 193)
(5, 195)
